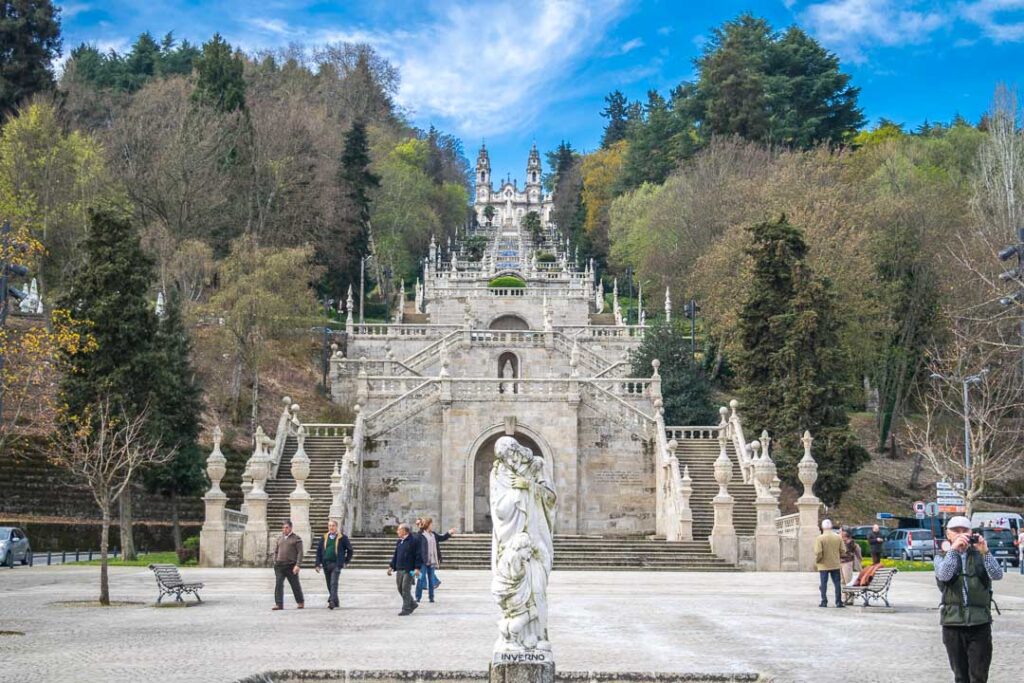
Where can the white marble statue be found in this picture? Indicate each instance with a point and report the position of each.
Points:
(522, 511)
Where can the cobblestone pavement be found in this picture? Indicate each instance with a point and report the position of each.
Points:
(676, 622)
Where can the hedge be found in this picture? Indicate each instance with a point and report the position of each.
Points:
(506, 281)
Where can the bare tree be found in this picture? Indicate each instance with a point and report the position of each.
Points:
(989, 420)
(104, 450)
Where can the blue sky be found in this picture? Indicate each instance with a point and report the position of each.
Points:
(531, 70)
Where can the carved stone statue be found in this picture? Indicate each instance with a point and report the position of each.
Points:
(522, 510)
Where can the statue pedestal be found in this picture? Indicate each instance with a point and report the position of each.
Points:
(522, 666)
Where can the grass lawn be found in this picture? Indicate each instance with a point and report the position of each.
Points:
(143, 560)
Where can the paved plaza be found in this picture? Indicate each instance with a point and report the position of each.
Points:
(767, 623)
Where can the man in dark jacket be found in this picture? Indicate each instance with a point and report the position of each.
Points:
(965, 577)
(287, 555)
(406, 563)
(333, 551)
(875, 541)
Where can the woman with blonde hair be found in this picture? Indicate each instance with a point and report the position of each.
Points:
(432, 551)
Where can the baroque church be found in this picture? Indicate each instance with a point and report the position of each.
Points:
(471, 359)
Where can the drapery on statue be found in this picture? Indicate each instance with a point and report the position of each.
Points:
(522, 511)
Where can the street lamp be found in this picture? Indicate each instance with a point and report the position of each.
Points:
(966, 382)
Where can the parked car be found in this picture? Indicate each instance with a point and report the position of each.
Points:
(1001, 544)
(909, 544)
(14, 546)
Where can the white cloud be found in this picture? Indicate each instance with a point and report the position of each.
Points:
(850, 27)
(1001, 21)
(491, 68)
(69, 10)
(631, 45)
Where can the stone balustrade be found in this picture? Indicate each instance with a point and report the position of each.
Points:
(323, 429)
(691, 433)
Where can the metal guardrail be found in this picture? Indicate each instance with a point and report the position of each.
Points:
(54, 557)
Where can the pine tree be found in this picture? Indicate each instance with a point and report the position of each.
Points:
(355, 183)
(617, 114)
(108, 294)
(220, 81)
(175, 417)
(685, 389)
(793, 372)
(30, 40)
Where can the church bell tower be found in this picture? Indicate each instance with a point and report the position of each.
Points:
(483, 174)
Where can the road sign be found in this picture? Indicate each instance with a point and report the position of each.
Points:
(919, 515)
(952, 509)
(947, 486)
(919, 506)
(931, 509)
(884, 515)
(950, 500)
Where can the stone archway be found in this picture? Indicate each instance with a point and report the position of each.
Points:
(483, 459)
(509, 322)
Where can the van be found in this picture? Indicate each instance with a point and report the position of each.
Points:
(1002, 520)
(909, 544)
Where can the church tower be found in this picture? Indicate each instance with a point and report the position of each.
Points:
(483, 174)
(533, 173)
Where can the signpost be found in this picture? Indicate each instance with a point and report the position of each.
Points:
(949, 497)
(884, 515)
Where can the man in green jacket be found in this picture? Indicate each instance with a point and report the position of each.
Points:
(827, 550)
(965, 577)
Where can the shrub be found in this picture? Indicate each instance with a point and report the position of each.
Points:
(506, 281)
(545, 257)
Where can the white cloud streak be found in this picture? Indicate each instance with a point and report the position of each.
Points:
(851, 27)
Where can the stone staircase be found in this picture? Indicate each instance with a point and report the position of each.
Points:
(323, 452)
(572, 553)
(700, 455)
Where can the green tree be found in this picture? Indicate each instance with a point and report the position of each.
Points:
(356, 182)
(531, 221)
(658, 141)
(108, 294)
(764, 87)
(793, 371)
(220, 81)
(175, 417)
(685, 389)
(29, 42)
(616, 112)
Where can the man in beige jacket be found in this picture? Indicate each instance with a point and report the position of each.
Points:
(827, 549)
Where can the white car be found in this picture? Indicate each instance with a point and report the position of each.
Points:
(14, 546)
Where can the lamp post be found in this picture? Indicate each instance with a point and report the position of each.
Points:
(966, 382)
(325, 354)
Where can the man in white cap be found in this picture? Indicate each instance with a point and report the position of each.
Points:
(965, 577)
(827, 551)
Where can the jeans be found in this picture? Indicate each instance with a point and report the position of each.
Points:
(332, 570)
(403, 581)
(427, 580)
(969, 649)
(824, 576)
(282, 572)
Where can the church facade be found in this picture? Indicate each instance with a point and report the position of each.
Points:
(510, 204)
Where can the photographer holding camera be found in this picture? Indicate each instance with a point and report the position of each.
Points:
(965, 577)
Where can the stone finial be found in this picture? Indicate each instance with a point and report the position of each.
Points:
(216, 465)
(161, 306)
(349, 305)
(807, 468)
(723, 415)
(687, 487)
(734, 406)
(574, 355)
(668, 305)
(300, 462)
(655, 364)
(673, 445)
(723, 472)
(755, 449)
(444, 360)
(766, 442)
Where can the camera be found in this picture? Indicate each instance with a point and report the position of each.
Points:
(973, 539)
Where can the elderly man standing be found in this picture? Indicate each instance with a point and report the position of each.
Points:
(406, 563)
(827, 550)
(287, 555)
(965, 577)
(875, 541)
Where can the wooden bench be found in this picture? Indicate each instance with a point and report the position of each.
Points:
(877, 588)
(168, 580)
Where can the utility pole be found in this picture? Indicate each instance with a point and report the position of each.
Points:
(691, 313)
(362, 286)
(1015, 275)
(325, 357)
(966, 382)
